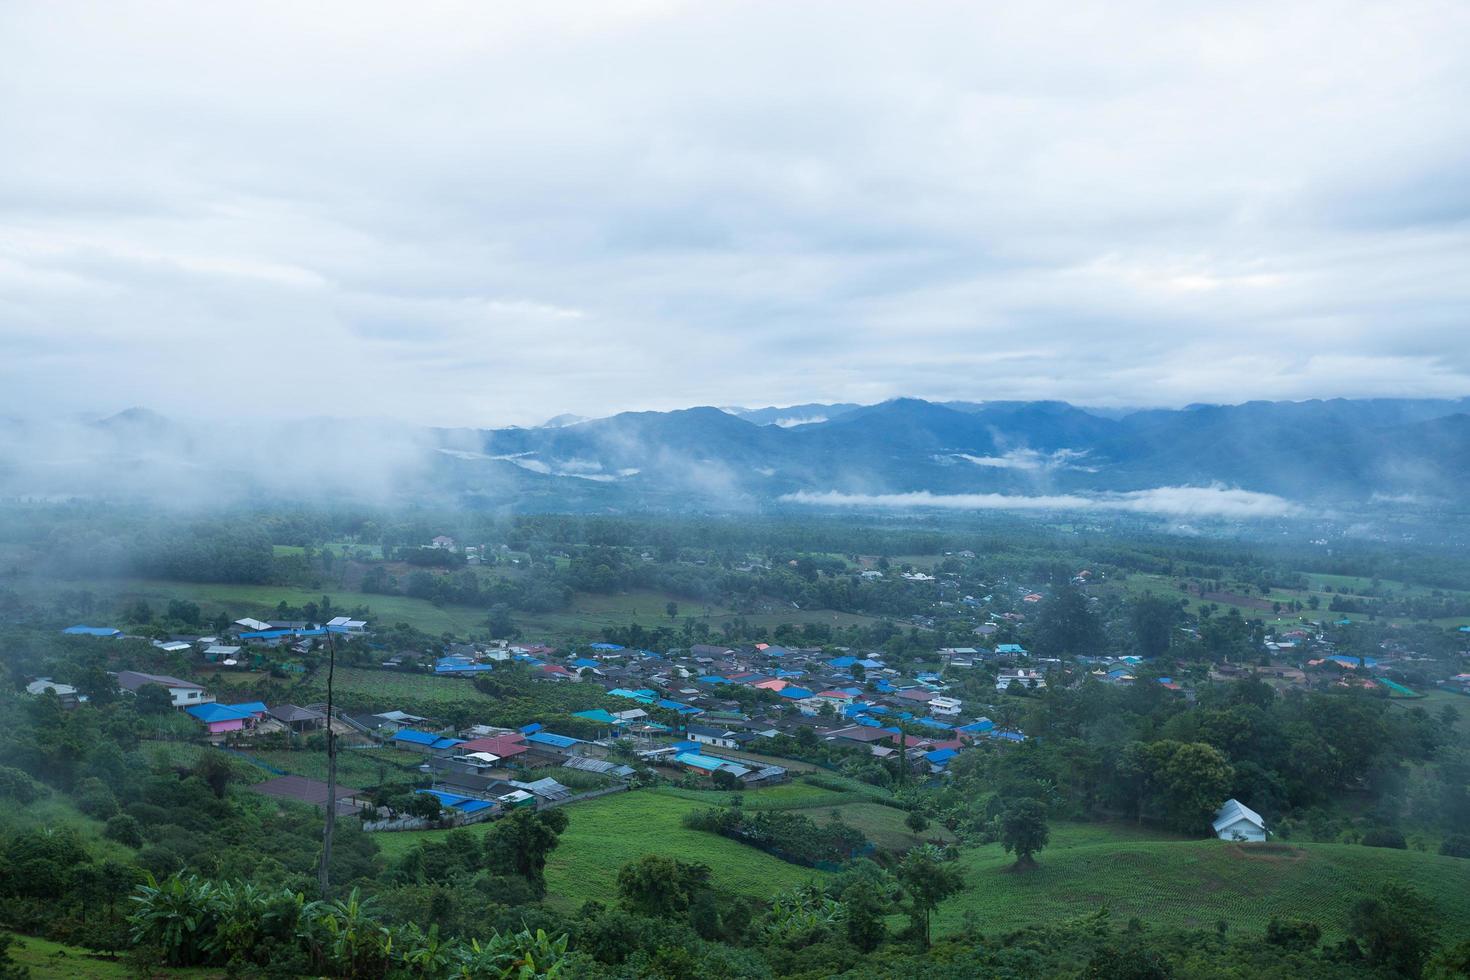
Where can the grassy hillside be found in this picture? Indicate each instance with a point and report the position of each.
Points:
(1196, 883)
(605, 834)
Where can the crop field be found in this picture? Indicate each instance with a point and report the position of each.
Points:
(355, 767)
(416, 690)
(1195, 883)
(607, 833)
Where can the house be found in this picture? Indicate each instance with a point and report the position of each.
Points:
(218, 719)
(707, 735)
(342, 624)
(442, 542)
(183, 693)
(412, 738)
(1010, 650)
(298, 719)
(1021, 677)
(312, 792)
(945, 707)
(65, 693)
(222, 653)
(1238, 822)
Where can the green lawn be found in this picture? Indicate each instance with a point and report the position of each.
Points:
(607, 833)
(1190, 883)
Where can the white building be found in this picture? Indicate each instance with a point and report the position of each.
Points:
(1238, 822)
(183, 693)
(1022, 677)
(945, 707)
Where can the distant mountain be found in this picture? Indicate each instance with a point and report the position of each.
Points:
(1334, 452)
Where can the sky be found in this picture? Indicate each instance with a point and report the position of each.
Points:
(489, 213)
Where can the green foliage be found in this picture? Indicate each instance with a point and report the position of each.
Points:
(1397, 929)
(1024, 830)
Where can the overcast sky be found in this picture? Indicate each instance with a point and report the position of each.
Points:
(491, 213)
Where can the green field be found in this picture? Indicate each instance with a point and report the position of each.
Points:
(606, 833)
(55, 961)
(587, 617)
(1168, 586)
(1195, 884)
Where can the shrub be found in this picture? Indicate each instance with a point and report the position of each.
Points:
(16, 785)
(1385, 837)
(125, 830)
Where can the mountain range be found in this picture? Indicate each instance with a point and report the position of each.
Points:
(1340, 451)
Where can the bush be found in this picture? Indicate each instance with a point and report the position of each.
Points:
(1385, 837)
(16, 785)
(1456, 845)
(125, 830)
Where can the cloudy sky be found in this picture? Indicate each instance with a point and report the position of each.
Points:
(491, 213)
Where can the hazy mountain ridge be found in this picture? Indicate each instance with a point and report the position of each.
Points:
(1341, 450)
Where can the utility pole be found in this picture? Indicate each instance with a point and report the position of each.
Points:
(324, 873)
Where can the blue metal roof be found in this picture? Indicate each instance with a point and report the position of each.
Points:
(713, 679)
(585, 662)
(976, 727)
(91, 631)
(549, 738)
(683, 709)
(534, 726)
(210, 713)
(940, 756)
(605, 646)
(842, 661)
(414, 736)
(936, 723)
(794, 693)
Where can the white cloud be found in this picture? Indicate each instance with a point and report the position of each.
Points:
(1212, 501)
(475, 213)
(1031, 460)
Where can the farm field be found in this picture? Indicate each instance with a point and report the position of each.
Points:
(1192, 883)
(606, 833)
(416, 690)
(355, 767)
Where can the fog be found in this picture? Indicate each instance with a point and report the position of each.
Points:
(1214, 501)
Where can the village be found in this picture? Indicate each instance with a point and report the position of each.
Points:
(733, 717)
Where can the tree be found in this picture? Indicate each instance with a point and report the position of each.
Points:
(1153, 620)
(927, 880)
(1397, 929)
(520, 843)
(866, 908)
(153, 699)
(216, 771)
(661, 887)
(671, 609)
(500, 624)
(1066, 625)
(1024, 830)
(916, 822)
